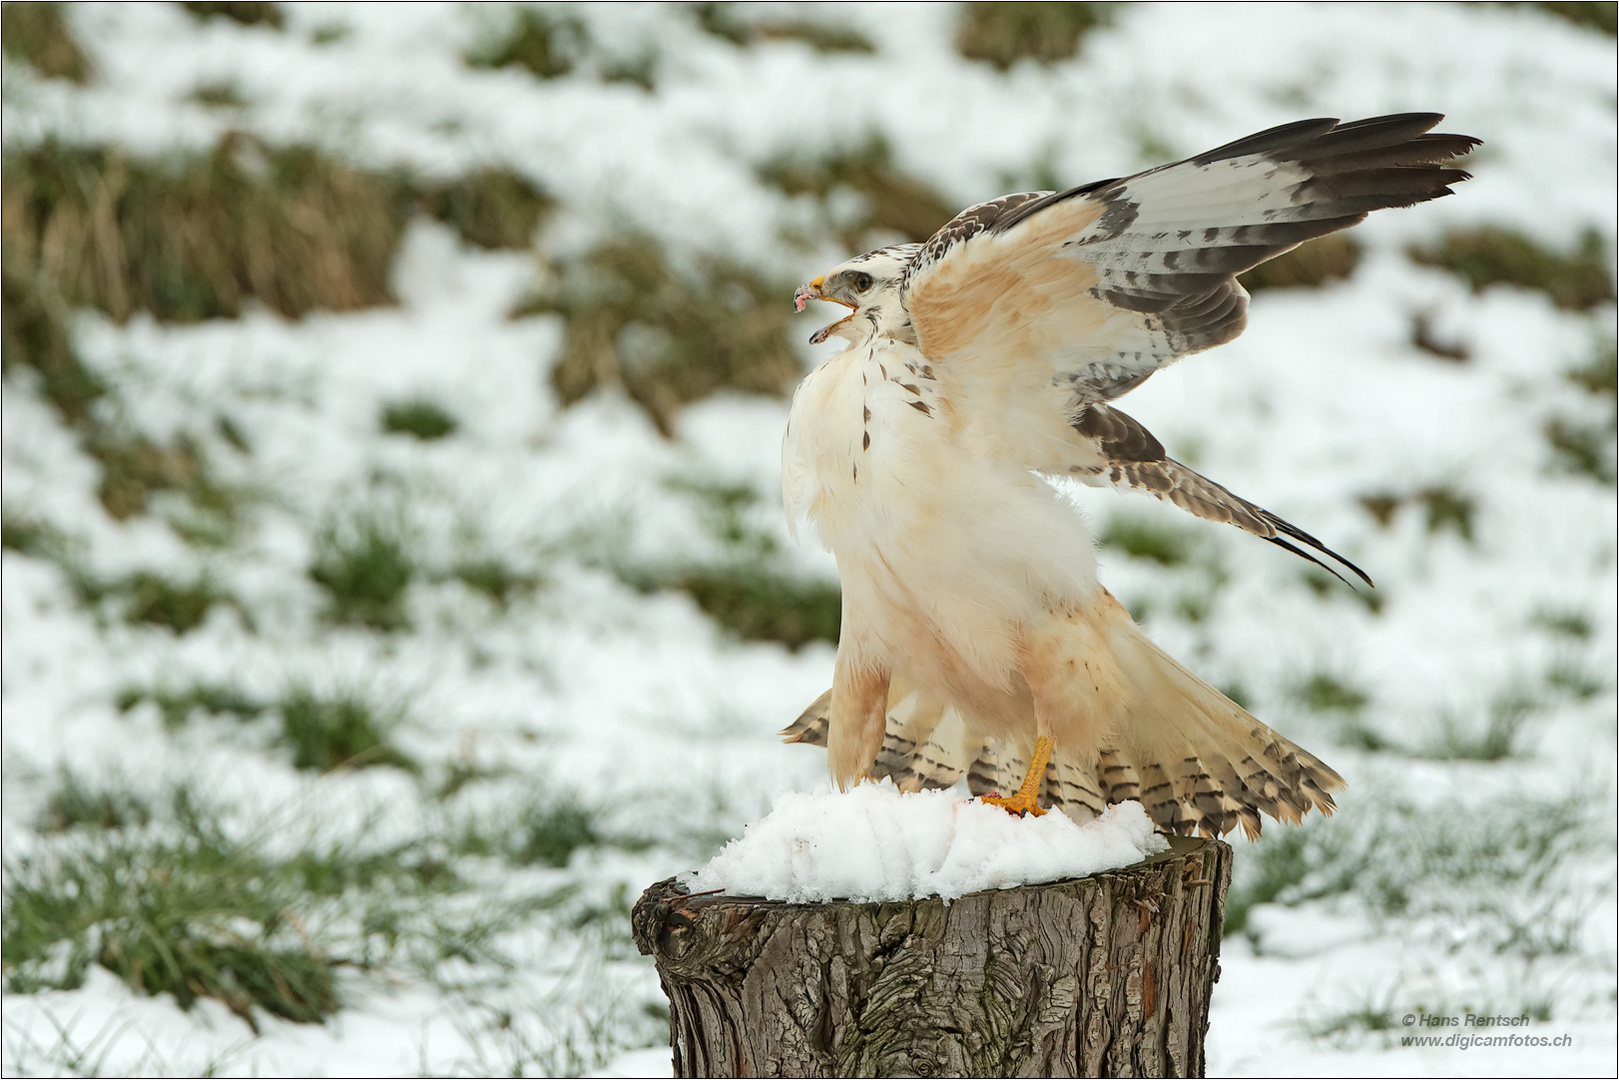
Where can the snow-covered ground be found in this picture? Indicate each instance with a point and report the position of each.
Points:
(580, 736)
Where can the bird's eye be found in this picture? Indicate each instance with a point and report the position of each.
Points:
(862, 283)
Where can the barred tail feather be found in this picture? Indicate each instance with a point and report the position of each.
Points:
(1195, 759)
(1222, 766)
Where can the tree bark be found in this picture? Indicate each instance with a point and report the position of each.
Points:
(1108, 975)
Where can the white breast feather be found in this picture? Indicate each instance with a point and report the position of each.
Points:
(943, 552)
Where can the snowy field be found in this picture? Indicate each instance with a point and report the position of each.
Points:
(361, 667)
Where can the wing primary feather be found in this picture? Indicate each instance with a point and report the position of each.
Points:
(1300, 535)
(1301, 553)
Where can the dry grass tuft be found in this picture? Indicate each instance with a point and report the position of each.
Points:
(196, 237)
(734, 25)
(494, 208)
(545, 43)
(245, 13)
(1310, 265)
(667, 336)
(38, 35)
(1601, 17)
(1005, 33)
(1489, 255)
(894, 201)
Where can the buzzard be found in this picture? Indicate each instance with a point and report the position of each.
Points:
(976, 637)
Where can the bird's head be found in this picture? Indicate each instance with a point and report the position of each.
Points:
(868, 285)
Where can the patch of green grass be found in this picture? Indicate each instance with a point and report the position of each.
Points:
(1563, 623)
(1196, 605)
(1599, 374)
(495, 578)
(1490, 255)
(153, 598)
(1327, 587)
(549, 43)
(185, 911)
(728, 22)
(28, 535)
(1325, 692)
(749, 591)
(1584, 446)
(493, 208)
(364, 564)
(150, 597)
(546, 43)
(232, 433)
(1602, 17)
(1495, 741)
(548, 835)
(545, 829)
(1493, 867)
(1426, 338)
(34, 322)
(667, 335)
(245, 12)
(1308, 266)
(1140, 538)
(1372, 1015)
(323, 731)
(421, 417)
(763, 605)
(1448, 508)
(196, 236)
(330, 33)
(1571, 678)
(724, 508)
(1382, 506)
(343, 730)
(39, 36)
(179, 704)
(1274, 869)
(133, 468)
(894, 202)
(76, 803)
(1004, 33)
(219, 94)
(461, 772)
(184, 906)
(1361, 735)
(1582, 449)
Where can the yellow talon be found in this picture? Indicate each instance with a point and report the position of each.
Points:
(1014, 804)
(1026, 799)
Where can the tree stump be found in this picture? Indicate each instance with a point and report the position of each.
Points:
(1108, 975)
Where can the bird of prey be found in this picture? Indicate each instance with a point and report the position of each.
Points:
(976, 638)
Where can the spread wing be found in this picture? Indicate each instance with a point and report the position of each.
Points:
(1055, 301)
(1125, 455)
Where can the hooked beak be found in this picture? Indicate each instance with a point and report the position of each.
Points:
(812, 291)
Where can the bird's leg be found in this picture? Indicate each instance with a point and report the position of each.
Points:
(1064, 665)
(859, 717)
(1026, 799)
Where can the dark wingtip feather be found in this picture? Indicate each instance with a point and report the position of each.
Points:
(1301, 553)
(1303, 537)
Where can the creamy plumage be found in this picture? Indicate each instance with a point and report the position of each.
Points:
(976, 637)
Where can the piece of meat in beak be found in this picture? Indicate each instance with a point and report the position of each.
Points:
(812, 291)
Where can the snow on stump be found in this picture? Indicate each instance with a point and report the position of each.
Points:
(923, 969)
